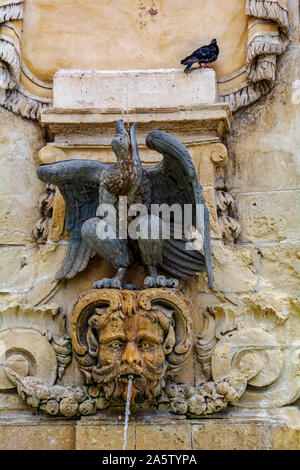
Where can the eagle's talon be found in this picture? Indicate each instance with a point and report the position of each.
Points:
(97, 285)
(174, 283)
(161, 281)
(102, 283)
(107, 283)
(116, 284)
(149, 281)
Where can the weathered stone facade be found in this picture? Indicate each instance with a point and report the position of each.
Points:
(250, 180)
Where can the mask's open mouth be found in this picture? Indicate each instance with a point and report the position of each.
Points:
(129, 376)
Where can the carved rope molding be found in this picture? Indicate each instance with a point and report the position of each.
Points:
(262, 50)
(9, 54)
(13, 95)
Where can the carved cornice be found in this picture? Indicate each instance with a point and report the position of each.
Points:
(194, 123)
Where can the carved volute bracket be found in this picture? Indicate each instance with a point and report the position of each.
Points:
(229, 227)
(46, 205)
(210, 161)
(219, 155)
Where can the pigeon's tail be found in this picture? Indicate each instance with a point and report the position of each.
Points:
(191, 59)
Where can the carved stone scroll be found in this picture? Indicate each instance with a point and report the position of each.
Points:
(268, 26)
(13, 95)
(206, 343)
(213, 159)
(33, 343)
(251, 331)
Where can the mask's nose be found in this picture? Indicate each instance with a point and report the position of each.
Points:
(131, 356)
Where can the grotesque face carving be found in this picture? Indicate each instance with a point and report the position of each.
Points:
(144, 334)
(134, 345)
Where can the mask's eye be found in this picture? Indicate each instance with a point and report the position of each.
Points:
(116, 345)
(144, 346)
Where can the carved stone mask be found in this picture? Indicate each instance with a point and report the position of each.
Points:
(134, 334)
(131, 345)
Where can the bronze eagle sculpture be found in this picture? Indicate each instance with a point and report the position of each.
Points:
(87, 185)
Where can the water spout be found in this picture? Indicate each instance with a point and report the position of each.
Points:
(125, 105)
(127, 410)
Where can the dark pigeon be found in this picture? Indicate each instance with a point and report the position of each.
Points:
(203, 55)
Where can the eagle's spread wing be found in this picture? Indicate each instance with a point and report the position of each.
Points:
(78, 182)
(174, 181)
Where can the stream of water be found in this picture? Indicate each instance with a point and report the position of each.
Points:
(127, 412)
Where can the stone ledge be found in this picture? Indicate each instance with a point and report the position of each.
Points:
(123, 89)
(103, 437)
(243, 430)
(48, 436)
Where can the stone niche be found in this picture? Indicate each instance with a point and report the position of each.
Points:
(253, 33)
(226, 369)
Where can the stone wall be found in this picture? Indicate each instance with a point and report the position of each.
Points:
(20, 142)
(262, 174)
(261, 268)
(264, 177)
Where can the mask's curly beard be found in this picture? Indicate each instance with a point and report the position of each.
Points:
(147, 382)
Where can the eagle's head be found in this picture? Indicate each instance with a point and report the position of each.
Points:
(121, 142)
